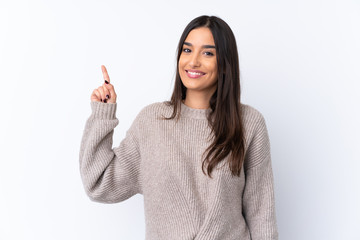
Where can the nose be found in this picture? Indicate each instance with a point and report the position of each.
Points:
(194, 61)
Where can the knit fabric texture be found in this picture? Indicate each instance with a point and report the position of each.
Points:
(161, 159)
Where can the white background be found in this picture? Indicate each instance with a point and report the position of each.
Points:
(299, 63)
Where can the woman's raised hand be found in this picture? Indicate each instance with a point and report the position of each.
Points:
(106, 92)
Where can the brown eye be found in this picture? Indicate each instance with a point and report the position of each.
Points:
(184, 50)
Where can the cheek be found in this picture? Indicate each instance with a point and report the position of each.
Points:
(181, 60)
(181, 69)
(214, 72)
(181, 66)
(212, 68)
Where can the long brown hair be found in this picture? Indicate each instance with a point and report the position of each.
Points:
(225, 119)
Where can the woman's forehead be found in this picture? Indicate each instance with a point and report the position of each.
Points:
(199, 37)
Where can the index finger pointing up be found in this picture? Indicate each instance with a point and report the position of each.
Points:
(105, 73)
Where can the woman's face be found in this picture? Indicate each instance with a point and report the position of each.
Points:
(197, 63)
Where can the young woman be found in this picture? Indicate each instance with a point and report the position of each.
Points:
(201, 160)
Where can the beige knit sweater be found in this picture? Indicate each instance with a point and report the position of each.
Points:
(161, 160)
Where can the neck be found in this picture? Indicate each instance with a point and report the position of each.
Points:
(196, 103)
(199, 99)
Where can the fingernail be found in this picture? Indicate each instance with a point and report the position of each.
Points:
(105, 100)
(106, 82)
(107, 96)
(101, 99)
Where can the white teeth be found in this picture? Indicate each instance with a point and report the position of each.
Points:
(195, 73)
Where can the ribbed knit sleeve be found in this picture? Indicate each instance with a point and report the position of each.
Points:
(258, 198)
(109, 175)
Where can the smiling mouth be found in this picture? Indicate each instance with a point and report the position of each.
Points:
(194, 74)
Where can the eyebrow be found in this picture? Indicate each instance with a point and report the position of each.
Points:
(203, 46)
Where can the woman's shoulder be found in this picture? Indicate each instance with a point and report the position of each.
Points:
(153, 109)
(254, 124)
(250, 113)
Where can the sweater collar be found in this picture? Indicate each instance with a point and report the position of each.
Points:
(196, 113)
